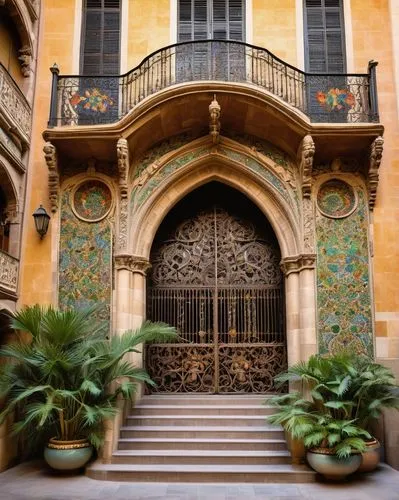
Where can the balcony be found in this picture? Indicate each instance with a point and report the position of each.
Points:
(323, 98)
(8, 274)
(15, 112)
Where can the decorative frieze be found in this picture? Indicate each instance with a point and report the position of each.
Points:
(14, 104)
(8, 272)
(50, 154)
(25, 58)
(376, 150)
(308, 225)
(298, 263)
(133, 263)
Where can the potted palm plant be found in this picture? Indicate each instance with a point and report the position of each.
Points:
(333, 445)
(62, 378)
(348, 388)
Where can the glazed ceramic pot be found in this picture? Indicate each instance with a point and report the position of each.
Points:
(324, 461)
(370, 457)
(67, 455)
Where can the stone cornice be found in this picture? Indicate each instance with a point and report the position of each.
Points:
(298, 263)
(133, 263)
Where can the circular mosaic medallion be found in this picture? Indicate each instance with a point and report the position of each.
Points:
(336, 199)
(92, 200)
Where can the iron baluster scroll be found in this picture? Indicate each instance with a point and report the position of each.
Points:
(220, 284)
(86, 100)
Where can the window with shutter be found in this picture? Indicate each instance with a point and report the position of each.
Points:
(324, 36)
(100, 37)
(211, 19)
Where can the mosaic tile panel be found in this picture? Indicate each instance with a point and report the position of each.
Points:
(336, 199)
(85, 262)
(343, 283)
(92, 200)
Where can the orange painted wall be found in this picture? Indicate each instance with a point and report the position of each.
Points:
(37, 283)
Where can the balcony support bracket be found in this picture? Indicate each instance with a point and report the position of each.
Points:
(376, 150)
(51, 157)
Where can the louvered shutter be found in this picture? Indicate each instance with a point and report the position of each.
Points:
(205, 19)
(100, 37)
(324, 36)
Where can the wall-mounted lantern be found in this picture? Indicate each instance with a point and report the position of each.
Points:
(42, 219)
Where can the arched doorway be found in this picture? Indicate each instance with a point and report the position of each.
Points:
(216, 277)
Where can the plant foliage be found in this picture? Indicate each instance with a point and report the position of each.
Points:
(66, 380)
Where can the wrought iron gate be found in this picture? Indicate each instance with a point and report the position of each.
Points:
(220, 284)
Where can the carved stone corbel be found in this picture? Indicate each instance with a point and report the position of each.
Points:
(214, 120)
(122, 150)
(25, 59)
(133, 263)
(376, 150)
(298, 263)
(305, 155)
(50, 155)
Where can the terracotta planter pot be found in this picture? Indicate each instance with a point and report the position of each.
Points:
(68, 455)
(370, 457)
(325, 462)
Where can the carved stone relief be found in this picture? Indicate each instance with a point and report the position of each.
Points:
(133, 263)
(122, 150)
(306, 153)
(373, 173)
(50, 154)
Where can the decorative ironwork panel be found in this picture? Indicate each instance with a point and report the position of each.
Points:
(181, 367)
(250, 368)
(84, 100)
(219, 283)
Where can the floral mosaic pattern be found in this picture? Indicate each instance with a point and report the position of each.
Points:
(92, 200)
(343, 286)
(141, 193)
(336, 99)
(336, 199)
(84, 262)
(92, 100)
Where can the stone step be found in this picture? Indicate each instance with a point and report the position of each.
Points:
(178, 456)
(230, 432)
(268, 473)
(205, 399)
(204, 409)
(177, 443)
(197, 420)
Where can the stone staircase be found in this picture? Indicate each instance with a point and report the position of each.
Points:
(196, 438)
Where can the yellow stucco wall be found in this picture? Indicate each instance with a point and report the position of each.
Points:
(55, 45)
(148, 28)
(274, 27)
(9, 45)
(372, 40)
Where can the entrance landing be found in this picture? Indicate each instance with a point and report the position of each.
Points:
(195, 438)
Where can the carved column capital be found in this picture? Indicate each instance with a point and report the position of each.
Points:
(376, 150)
(305, 156)
(50, 155)
(133, 263)
(298, 263)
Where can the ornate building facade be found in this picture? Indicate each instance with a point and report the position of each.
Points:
(216, 164)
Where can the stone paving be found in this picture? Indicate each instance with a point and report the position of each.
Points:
(34, 481)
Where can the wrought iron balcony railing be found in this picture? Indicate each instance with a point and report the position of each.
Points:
(8, 272)
(91, 100)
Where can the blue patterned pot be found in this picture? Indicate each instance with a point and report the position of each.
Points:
(68, 455)
(331, 466)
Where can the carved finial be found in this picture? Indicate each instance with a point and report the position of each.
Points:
(376, 150)
(50, 155)
(122, 150)
(214, 121)
(306, 153)
(25, 59)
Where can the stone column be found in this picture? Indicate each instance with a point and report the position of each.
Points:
(300, 306)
